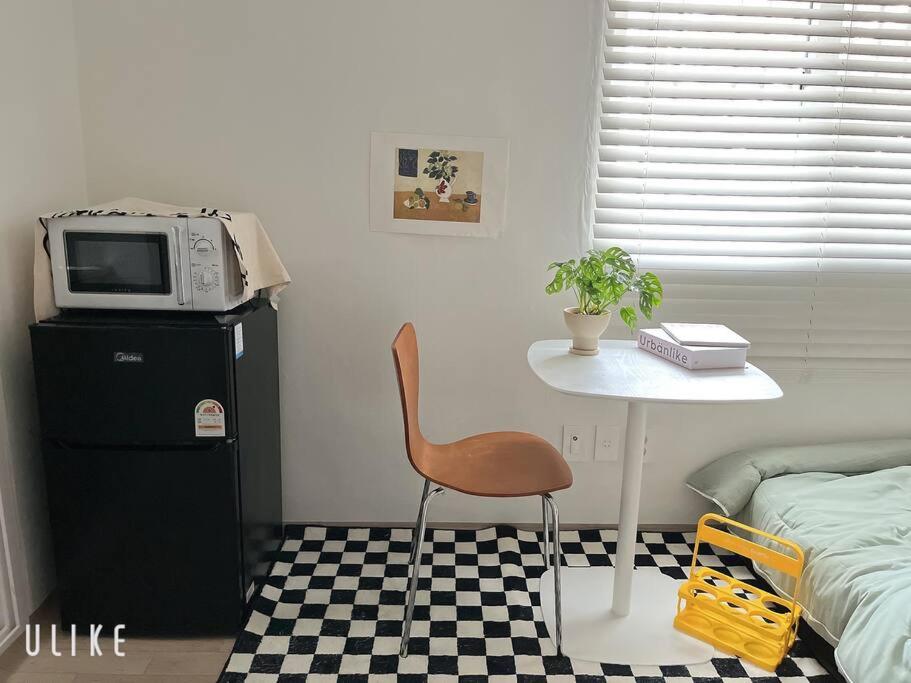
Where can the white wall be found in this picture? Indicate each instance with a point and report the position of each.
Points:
(41, 169)
(265, 106)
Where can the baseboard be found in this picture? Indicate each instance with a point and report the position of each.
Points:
(473, 526)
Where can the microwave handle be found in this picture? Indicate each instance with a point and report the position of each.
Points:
(179, 234)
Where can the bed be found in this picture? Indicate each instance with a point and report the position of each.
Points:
(849, 507)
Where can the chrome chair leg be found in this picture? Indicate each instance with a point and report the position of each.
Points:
(420, 527)
(414, 534)
(558, 607)
(546, 544)
(417, 536)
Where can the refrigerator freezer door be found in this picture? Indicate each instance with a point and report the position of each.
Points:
(109, 384)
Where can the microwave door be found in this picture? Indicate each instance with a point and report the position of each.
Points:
(106, 262)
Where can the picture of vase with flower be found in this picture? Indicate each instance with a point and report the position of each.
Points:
(438, 185)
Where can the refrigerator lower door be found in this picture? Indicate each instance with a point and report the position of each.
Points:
(147, 538)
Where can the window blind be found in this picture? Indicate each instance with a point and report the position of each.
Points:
(757, 157)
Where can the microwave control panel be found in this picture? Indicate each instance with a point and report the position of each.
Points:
(206, 260)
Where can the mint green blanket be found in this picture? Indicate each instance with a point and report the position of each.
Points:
(851, 513)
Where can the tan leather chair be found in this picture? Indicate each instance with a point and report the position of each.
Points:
(501, 464)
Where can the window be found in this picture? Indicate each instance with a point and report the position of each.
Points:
(757, 156)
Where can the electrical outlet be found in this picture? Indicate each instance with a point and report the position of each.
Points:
(575, 443)
(607, 443)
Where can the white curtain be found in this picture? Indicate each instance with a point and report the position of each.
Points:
(9, 626)
(10, 615)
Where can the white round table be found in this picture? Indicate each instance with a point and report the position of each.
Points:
(616, 614)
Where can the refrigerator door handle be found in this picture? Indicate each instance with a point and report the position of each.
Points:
(179, 234)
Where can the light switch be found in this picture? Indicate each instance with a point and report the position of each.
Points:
(574, 443)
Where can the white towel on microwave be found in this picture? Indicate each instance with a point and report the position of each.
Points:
(260, 266)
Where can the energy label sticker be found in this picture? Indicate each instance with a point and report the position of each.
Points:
(210, 418)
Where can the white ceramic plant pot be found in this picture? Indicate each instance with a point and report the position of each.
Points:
(443, 190)
(585, 329)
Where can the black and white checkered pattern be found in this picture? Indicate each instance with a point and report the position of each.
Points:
(332, 609)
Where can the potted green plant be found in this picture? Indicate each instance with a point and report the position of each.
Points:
(599, 280)
(440, 167)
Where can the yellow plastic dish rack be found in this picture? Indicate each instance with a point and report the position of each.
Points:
(734, 616)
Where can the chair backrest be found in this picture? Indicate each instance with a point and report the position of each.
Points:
(405, 355)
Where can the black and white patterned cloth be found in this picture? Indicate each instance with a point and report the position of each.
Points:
(332, 610)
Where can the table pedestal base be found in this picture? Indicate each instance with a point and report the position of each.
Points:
(592, 632)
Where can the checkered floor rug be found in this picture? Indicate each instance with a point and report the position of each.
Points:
(332, 609)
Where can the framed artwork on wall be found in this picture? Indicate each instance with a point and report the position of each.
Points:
(438, 184)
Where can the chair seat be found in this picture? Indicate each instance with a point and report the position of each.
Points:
(498, 464)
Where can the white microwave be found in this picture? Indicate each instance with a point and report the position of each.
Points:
(143, 262)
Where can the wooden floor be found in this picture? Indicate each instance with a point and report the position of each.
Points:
(145, 660)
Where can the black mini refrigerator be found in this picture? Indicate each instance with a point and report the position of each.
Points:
(161, 440)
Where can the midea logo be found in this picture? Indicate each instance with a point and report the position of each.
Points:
(128, 357)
